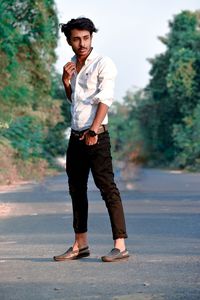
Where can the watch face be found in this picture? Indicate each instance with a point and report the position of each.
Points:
(92, 133)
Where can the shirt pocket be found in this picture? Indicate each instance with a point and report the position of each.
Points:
(89, 79)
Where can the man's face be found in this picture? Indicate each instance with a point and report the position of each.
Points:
(80, 41)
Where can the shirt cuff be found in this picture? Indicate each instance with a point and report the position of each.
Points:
(97, 100)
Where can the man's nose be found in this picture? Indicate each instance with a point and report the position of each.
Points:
(82, 43)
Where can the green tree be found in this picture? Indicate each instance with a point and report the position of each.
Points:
(28, 32)
(187, 140)
(128, 141)
(29, 105)
(174, 85)
(162, 118)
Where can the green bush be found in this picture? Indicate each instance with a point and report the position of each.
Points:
(26, 135)
(56, 142)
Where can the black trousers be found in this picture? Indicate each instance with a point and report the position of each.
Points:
(82, 158)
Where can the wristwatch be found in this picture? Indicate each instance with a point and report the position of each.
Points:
(92, 133)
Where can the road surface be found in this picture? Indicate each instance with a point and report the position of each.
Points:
(163, 220)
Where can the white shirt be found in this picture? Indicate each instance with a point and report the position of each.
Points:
(93, 84)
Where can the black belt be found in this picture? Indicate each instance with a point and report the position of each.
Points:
(79, 134)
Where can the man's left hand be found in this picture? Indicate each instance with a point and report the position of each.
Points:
(89, 140)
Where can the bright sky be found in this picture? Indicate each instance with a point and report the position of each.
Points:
(128, 32)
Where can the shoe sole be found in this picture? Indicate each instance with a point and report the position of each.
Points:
(72, 258)
(105, 259)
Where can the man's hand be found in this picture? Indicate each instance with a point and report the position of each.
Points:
(89, 140)
(68, 71)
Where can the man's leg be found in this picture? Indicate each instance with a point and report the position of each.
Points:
(77, 168)
(102, 170)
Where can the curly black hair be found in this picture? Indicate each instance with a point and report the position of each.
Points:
(80, 23)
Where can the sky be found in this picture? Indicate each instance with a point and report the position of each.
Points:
(128, 34)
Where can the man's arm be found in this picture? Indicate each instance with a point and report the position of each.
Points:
(99, 117)
(68, 71)
(107, 74)
(68, 90)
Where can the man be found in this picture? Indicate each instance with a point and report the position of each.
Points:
(89, 82)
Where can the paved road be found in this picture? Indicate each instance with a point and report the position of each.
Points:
(163, 219)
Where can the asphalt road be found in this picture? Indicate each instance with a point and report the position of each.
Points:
(163, 219)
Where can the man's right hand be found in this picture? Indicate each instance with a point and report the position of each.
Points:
(68, 71)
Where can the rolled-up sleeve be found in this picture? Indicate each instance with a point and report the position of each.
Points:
(106, 81)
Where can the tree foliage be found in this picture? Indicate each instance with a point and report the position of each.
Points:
(167, 113)
(28, 31)
(30, 104)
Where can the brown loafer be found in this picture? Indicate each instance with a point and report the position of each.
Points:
(70, 254)
(115, 255)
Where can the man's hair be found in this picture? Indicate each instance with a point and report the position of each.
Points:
(80, 23)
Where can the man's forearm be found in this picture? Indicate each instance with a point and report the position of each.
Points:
(100, 115)
(68, 90)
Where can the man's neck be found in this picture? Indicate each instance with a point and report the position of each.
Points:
(81, 59)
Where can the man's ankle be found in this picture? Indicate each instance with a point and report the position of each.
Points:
(120, 244)
(79, 246)
(81, 241)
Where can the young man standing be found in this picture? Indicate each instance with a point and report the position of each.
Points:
(89, 83)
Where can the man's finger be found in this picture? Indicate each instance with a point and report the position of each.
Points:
(69, 64)
(83, 136)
